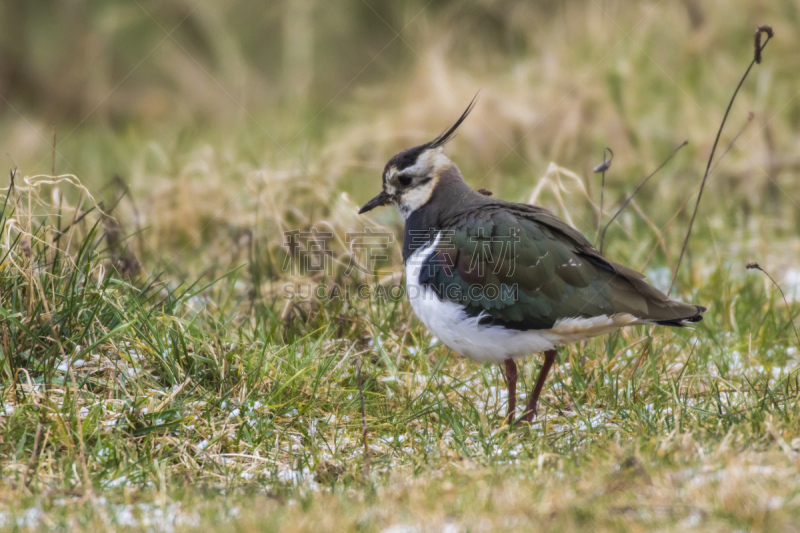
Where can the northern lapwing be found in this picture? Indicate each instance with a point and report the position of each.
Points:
(499, 281)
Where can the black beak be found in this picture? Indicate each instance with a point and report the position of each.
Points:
(381, 199)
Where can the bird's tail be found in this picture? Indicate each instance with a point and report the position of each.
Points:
(695, 314)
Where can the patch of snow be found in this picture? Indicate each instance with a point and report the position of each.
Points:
(117, 482)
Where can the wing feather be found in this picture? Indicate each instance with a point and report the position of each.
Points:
(522, 267)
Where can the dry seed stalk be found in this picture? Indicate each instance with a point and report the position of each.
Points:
(602, 168)
(636, 190)
(755, 266)
(756, 59)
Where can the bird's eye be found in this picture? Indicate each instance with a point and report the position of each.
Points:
(405, 181)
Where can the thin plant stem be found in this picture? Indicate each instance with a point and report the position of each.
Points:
(756, 59)
(750, 117)
(756, 266)
(636, 190)
(602, 168)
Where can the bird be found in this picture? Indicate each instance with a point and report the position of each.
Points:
(499, 281)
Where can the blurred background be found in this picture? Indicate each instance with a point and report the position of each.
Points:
(228, 122)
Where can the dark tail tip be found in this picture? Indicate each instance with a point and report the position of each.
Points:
(681, 322)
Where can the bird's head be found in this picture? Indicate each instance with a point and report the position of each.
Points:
(411, 176)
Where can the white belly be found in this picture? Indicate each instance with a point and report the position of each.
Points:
(491, 343)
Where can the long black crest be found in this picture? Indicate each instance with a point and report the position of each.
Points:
(446, 136)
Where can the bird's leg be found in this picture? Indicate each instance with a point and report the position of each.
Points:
(530, 410)
(511, 378)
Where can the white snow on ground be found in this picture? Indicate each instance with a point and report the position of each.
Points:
(155, 517)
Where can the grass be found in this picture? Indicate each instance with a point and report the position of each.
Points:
(154, 376)
(164, 394)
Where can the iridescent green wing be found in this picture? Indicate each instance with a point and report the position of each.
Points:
(521, 267)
